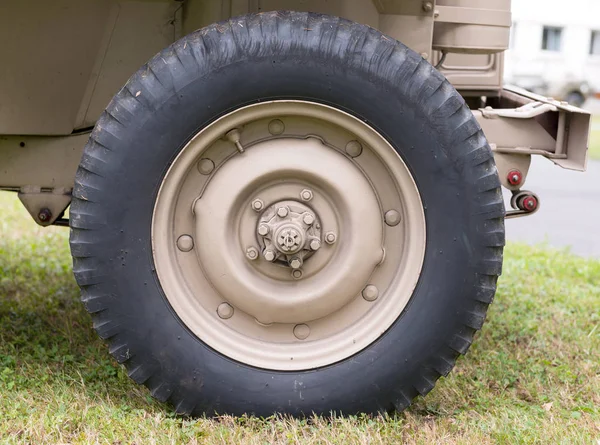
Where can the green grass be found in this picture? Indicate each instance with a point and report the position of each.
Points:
(532, 376)
(595, 139)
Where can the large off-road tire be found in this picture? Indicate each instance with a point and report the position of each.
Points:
(341, 263)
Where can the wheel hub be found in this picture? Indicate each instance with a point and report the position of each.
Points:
(292, 243)
(289, 232)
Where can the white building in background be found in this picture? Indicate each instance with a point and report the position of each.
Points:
(555, 47)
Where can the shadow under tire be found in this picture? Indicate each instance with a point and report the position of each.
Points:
(286, 56)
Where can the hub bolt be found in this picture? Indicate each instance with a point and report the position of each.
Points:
(315, 244)
(308, 219)
(185, 243)
(251, 253)
(515, 177)
(301, 331)
(370, 293)
(225, 311)
(330, 237)
(297, 274)
(263, 230)
(269, 255)
(258, 205)
(392, 218)
(282, 212)
(295, 263)
(306, 195)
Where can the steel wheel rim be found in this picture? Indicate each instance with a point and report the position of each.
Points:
(205, 226)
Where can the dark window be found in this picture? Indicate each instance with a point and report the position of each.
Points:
(595, 43)
(552, 38)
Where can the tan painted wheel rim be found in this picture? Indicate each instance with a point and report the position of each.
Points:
(298, 288)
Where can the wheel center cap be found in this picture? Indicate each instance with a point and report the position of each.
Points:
(289, 239)
(289, 232)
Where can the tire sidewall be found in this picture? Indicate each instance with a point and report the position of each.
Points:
(169, 113)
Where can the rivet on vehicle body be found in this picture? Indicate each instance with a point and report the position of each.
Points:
(263, 230)
(330, 237)
(306, 195)
(295, 263)
(301, 331)
(370, 293)
(354, 149)
(258, 205)
(514, 177)
(308, 219)
(251, 253)
(392, 218)
(185, 243)
(315, 244)
(206, 166)
(234, 137)
(225, 311)
(297, 274)
(282, 212)
(276, 127)
(269, 255)
(427, 6)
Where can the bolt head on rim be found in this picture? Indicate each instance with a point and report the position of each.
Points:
(306, 195)
(252, 253)
(330, 237)
(258, 204)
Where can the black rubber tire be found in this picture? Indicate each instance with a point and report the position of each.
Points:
(269, 56)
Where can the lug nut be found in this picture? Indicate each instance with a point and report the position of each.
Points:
(330, 237)
(251, 253)
(269, 255)
(206, 166)
(306, 195)
(258, 205)
(282, 212)
(45, 215)
(354, 149)
(296, 274)
(225, 311)
(315, 244)
(370, 293)
(295, 263)
(392, 218)
(301, 331)
(185, 243)
(514, 177)
(263, 230)
(308, 219)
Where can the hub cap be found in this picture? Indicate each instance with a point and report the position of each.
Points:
(299, 246)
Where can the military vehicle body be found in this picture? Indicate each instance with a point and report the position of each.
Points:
(285, 209)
